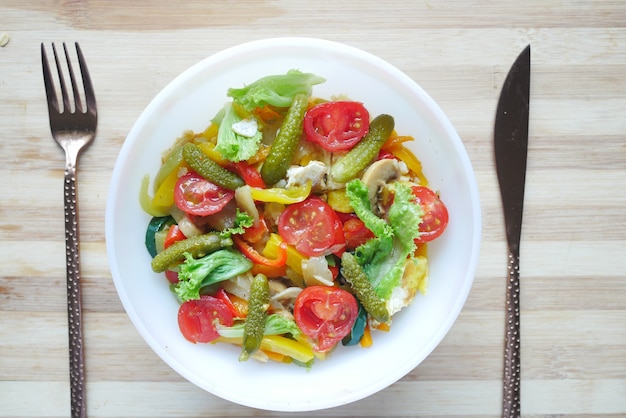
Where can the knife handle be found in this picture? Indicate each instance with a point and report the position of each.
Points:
(511, 399)
(74, 310)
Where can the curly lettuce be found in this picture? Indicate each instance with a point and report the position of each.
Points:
(275, 90)
(383, 257)
(238, 139)
(242, 221)
(194, 274)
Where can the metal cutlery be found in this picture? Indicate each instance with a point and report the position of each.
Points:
(73, 126)
(511, 149)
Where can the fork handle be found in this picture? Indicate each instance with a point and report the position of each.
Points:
(511, 399)
(74, 310)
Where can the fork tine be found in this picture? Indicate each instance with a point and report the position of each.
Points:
(53, 103)
(66, 99)
(78, 105)
(90, 95)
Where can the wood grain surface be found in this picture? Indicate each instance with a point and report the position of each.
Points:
(573, 264)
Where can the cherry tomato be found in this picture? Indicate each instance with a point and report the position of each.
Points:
(325, 314)
(356, 232)
(435, 214)
(171, 276)
(336, 126)
(196, 318)
(174, 234)
(197, 196)
(312, 227)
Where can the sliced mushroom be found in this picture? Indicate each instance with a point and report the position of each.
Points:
(377, 176)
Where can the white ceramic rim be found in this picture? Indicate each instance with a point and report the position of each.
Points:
(381, 374)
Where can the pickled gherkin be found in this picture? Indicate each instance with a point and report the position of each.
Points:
(284, 147)
(363, 153)
(197, 246)
(258, 304)
(209, 169)
(373, 304)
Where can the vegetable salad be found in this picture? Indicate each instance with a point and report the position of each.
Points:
(292, 224)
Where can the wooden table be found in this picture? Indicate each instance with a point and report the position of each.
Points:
(574, 237)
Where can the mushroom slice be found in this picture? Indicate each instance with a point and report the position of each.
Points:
(377, 176)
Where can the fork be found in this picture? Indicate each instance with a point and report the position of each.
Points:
(73, 127)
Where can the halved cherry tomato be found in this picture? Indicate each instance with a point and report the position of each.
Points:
(336, 126)
(435, 216)
(197, 196)
(196, 318)
(174, 234)
(325, 314)
(356, 232)
(312, 227)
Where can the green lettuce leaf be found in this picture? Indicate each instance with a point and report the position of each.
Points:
(275, 90)
(242, 221)
(383, 257)
(404, 215)
(372, 255)
(194, 274)
(232, 145)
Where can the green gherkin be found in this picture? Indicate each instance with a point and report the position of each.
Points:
(209, 169)
(286, 142)
(363, 153)
(197, 246)
(257, 315)
(373, 304)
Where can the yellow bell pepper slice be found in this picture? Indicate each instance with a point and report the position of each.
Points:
(294, 260)
(280, 195)
(145, 200)
(164, 196)
(210, 133)
(171, 165)
(209, 150)
(339, 201)
(280, 345)
(287, 347)
(294, 257)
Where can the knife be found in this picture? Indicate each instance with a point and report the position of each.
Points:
(511, 146)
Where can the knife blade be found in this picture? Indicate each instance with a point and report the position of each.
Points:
(511, 150)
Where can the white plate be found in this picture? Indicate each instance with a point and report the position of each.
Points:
(351, 373)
